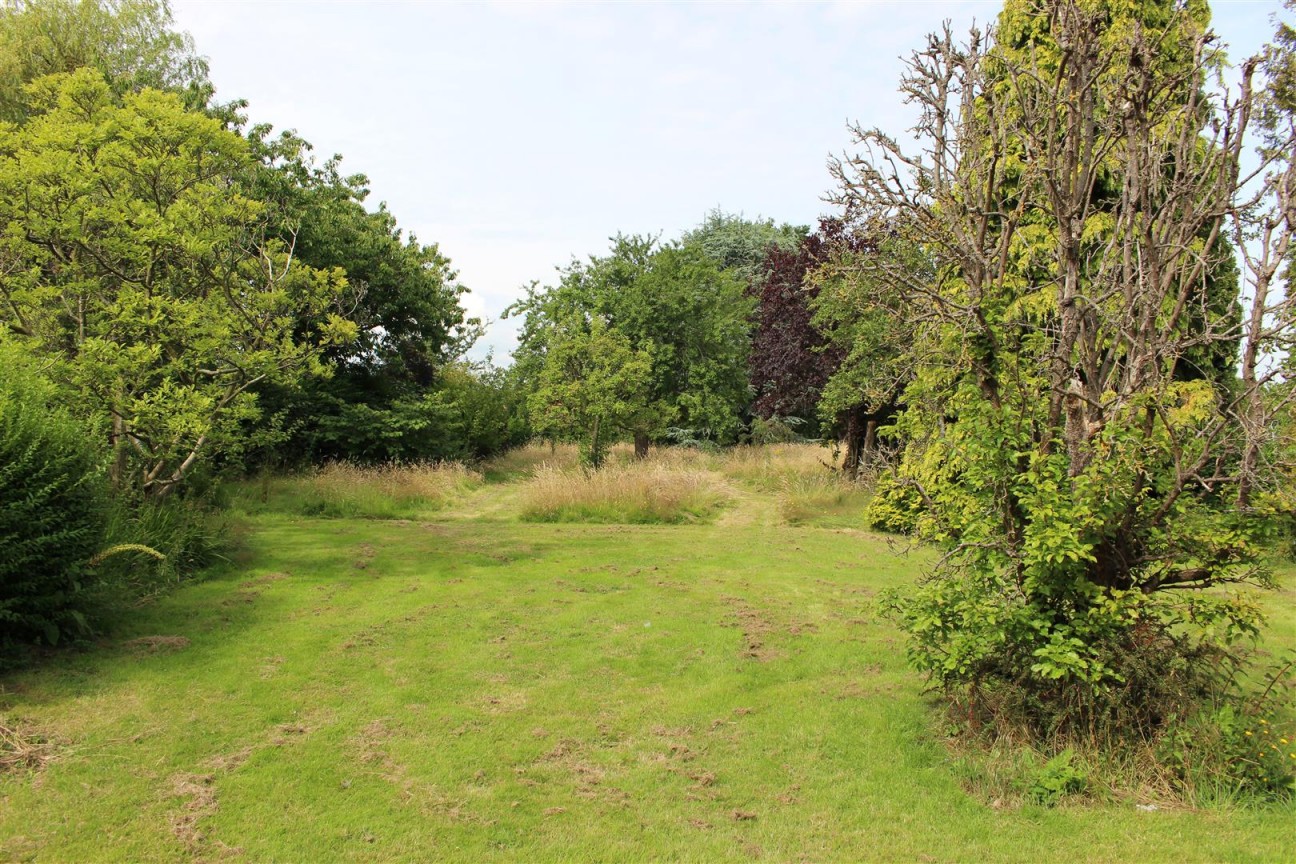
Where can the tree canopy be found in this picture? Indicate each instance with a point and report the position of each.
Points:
(133, 261)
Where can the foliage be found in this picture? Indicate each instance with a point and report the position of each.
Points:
(1069, 208)
(1058, 778)
(741, 245)
(182, 536)
(591, 384)
(130, 42)
(669, 303)
(52, 510)
(791, 360)
(776, 430)
(394, 384)
(133, 265)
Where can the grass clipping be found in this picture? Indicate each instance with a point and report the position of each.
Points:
(638, 493)
(23, 750)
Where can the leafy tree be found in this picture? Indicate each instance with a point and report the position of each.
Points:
(403, 296)
(131, 260)
(131, 42)
(863, 327)
(740, 245)
(592, 382)
(1077, 476)
(791, 359)
(672, 301)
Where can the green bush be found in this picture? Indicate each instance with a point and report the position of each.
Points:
(1058, 779)
(895, 506)
(52, 511)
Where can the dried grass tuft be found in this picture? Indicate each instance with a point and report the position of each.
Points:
(24, 749)
(660, 490)
(344, 489)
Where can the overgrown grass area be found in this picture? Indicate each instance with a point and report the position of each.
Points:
(343, 490)
(472, 686)
(639, 493)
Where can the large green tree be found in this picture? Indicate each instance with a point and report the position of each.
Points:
(1071, 197)
(676, 303)
(132, 43)
(403, 296)
(130, 258)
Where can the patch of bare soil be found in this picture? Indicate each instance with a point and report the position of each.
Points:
(756, 629)
(156, 644)
(198, 804)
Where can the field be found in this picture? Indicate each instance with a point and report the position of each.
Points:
(485, 681)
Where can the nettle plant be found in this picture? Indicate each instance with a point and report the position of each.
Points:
(1079, 434)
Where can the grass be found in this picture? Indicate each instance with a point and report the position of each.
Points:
(474, 687)
(343, 490)
(826, 499)
(647, 492)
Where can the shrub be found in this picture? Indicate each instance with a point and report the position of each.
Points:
(52, 510)
(1058, 779)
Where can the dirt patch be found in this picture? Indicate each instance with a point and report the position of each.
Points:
(756, 630)
(264, 579)
(571, 756)
(198, 804)
(365, 553)
(241, 597)
(156, 644)
(25, 749)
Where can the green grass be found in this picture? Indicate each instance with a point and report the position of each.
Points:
(342, 490)
(475, 687)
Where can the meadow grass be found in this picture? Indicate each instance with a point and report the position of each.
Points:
(474, 687)
(345, 490)
(826, 499)
(647, 492)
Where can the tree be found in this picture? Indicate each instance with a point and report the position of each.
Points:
(740, 245)
(591, 383)
(671, 301)
(1078, 481)
(129, 257)
(403, 296)
(130, 42)
(863, 327)
(791, 359)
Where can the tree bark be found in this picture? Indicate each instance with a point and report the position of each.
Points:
(641, 443)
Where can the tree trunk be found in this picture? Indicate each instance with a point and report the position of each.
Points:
(641, 445)
(855, 439)
(596, 447)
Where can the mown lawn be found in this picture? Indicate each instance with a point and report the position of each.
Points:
(475, 687)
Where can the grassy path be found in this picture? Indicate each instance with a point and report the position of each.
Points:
(471, 687)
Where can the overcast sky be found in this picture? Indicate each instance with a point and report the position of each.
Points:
(516, 135)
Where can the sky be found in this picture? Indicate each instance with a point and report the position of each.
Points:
(517, 136)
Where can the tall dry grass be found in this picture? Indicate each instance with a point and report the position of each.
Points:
(343, 489)
(825, 500)
(657, 490)
(771, 467)
(521, 462)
